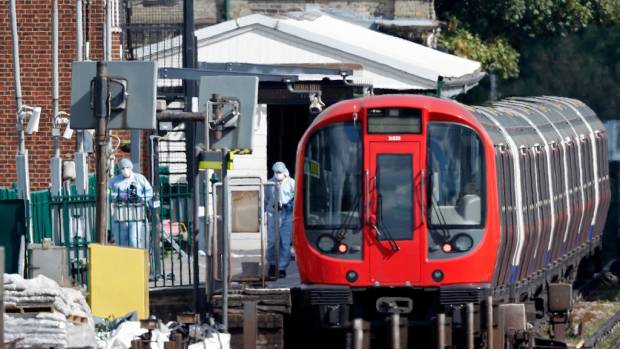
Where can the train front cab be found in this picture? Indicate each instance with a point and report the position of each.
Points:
(392, 212)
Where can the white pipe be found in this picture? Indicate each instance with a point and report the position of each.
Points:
(79, 32)
(56, 162)
(108, 30)
(16, 69)
(55, 70)
(79, 57)
(23, 185)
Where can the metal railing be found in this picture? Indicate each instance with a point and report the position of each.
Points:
(68, 220)
(172, 237)
(74, 219)
(164, 228)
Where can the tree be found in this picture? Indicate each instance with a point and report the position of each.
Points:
(495, 54)
(583, 65)
(493, 31)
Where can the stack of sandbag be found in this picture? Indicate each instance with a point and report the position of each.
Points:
(41, 314)
(42, 330)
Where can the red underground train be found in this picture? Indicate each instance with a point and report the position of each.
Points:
(426, 208)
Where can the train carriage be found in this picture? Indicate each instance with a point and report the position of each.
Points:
(418, 206)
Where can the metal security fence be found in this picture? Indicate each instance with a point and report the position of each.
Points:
(162, 224)
(8, 193)
(152, 30)
(171, 259)
(40, 209)
(75, 215)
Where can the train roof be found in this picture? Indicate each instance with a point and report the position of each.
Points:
(534, 121)
(530, 121)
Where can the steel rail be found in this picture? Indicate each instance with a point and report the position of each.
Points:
(603, 332)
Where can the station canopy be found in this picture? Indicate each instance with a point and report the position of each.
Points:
(318, 39)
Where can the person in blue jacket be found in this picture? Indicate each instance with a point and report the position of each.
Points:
(286, 185)
(131, 194)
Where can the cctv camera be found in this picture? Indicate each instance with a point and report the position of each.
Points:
(33, 122)
(315, 109)
(68, 170)
(68, 132)
(316, 105)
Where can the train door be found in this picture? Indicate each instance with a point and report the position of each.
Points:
(395, 221)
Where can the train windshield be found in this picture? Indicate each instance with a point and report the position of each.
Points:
(333, 177)
(456, 176)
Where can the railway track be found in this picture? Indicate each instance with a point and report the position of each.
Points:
(603, 333)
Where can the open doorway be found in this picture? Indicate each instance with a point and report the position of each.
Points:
(286, 125)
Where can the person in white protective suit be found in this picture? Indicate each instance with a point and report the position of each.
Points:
(130, 194)
(286, 184)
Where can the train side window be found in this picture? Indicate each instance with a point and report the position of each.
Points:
(456, 168)
(543, 174)
(501, 190)
(500, 181)
(561, 165)
(510, 165)
(587, 170)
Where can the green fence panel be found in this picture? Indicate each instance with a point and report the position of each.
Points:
(59, 218)
(92, 184)
(42, 227)
(8, 193)
(13, 216)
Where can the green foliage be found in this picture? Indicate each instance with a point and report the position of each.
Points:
(584, 65)
(492, 31)
(606, 12)
(522, 19)
(495, 55)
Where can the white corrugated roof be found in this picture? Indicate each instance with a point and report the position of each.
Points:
(315, 37)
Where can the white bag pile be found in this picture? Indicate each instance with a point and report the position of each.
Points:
(66, 324)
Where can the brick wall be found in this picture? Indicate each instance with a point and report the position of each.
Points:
(388, 8)
(35, 41)
(417, 9)
(209, 12)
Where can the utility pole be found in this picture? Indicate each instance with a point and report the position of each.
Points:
(189, 87)
(189, 47)
(101, 111)
(81, 167)
(226, 221)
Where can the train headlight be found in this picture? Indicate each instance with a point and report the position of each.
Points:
(326, 243)
(447, 247)
(462, 242)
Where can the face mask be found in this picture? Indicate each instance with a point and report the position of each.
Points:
(126, 172)
(280, 176)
